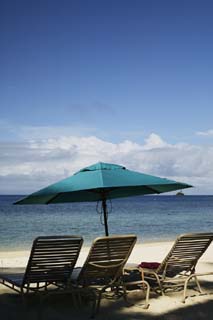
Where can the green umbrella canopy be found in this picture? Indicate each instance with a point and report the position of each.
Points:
(102, 181)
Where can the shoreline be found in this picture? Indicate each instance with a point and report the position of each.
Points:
(87, 244)
(152, 251)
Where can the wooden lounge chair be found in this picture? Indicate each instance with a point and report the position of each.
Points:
(178, 267)
(103, 269)
(51, 262)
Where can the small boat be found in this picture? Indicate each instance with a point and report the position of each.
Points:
(180, 193)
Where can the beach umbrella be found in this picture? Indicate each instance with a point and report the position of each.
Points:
(101, 182)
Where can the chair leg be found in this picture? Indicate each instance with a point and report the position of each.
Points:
(157, 279)
(125, 295)
(198, 284)
(128, 304)
(96, 306)
(159, 284)
(186, 285)
(144, 285)
(24, 298)
(147, 293)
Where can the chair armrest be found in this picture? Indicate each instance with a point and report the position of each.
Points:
(105, 266)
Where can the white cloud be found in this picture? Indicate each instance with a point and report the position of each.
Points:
(27, 166)
(207, 133)
(155, 141)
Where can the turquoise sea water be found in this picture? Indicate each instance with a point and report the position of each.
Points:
(152, 218)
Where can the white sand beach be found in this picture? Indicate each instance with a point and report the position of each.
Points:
(161, 307)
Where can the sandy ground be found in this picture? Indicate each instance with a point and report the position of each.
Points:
(167, 307)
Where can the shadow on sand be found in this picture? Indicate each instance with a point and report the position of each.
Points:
(60, 307)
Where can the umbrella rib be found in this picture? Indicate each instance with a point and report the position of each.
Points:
(114, 188)
(152, 189)
(53, 198)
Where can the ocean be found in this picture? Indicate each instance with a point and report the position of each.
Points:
(151, 218)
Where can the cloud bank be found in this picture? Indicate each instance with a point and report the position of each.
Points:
(27, 166)
(207, 133)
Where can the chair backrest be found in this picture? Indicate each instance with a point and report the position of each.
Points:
(106, 259)
(52, 259)
(185, 253)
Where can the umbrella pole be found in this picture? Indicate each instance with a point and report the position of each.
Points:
(104, 206)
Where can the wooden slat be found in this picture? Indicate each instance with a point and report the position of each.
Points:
(107, 251)
(188, 249)
(52, 258)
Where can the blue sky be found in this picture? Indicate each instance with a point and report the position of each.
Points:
(137, 75)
